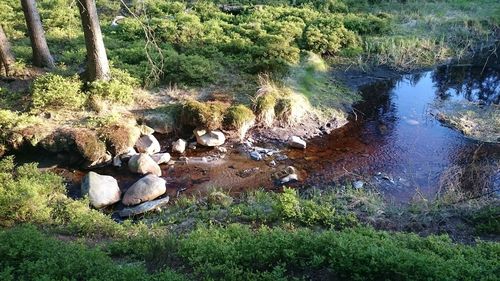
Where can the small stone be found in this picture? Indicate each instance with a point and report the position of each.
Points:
(161, 158)
(358, 184)
(192, 145)
(143, 164)
(297, 142)
(212, 138)
(272, 163)
(102, 190)
(179, 146)
(148, 144)
(145, 189)
(221, 149)
(183, 159)
(255, 156)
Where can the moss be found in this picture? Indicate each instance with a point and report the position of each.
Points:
(119, 137)
(240, 118)
(208, 115)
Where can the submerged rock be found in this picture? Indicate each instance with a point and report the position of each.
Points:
(179, 146)
(161, 158)
(144, 207)
(211, 138)
(255, 155)
(358, 184)
(145, 189)
(102, 190)
(148, 144)
(143, 164)
(297, 142)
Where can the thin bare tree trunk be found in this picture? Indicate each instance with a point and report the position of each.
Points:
(6, 56)
(41, 53)
(97, 60)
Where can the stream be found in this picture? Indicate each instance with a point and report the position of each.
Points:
(392, 144)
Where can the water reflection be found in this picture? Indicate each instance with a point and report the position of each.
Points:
(396, 137)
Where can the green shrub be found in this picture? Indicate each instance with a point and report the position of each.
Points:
(189, 69)
(29, 255)
(26, 194)
(328, 36)
(55, 91)
(237, 252)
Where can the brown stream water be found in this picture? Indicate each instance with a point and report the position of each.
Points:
(392, 144)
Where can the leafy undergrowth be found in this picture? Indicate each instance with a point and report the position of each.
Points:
(311, 235)
(237, 252)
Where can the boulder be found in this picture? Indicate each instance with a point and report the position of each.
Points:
(161, 158)
(160, 123)
(145, 189)
(143, 164)
(144, 207)
(102, 190)
(179, 146)
(297, 142)
(148, 144)
(212, 138)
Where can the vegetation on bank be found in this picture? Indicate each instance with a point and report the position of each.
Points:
(312, 235)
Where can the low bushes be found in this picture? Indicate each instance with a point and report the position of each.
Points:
(55, 91)
(237, 252)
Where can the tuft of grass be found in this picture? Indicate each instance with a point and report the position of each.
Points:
(240, 118)
(207, 115)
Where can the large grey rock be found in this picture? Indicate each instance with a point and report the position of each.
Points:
(297, 142)
(148, 144)
(144, 207)
(143, 164)
(211, 138)
(179, 146)
(102, 190)
(145, 189)
(161, 158)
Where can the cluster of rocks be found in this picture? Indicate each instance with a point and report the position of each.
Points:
(144, 158)
(104, 191)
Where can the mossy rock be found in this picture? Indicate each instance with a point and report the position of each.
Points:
(240, 118)
(207, 115)
(83, 141)
(120, 137)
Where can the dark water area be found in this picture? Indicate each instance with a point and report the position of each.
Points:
(396, 144)
(392, 143)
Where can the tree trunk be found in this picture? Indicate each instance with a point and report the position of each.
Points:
(41, 53)
(97, 61)
(6, 56)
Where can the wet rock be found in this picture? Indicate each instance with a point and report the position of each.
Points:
(211, 138)
(143, 164)
(281, 157)
(117, 161)
(358, 184)
(254, 155)
(287, 175)
(102, 190)
(192, 145)
(179, 146)
(297, 142)
(289, 179)
(148, 144)
(161, 158)
(146, 130)
(183, 159)
(145, 189)
(144, 207)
